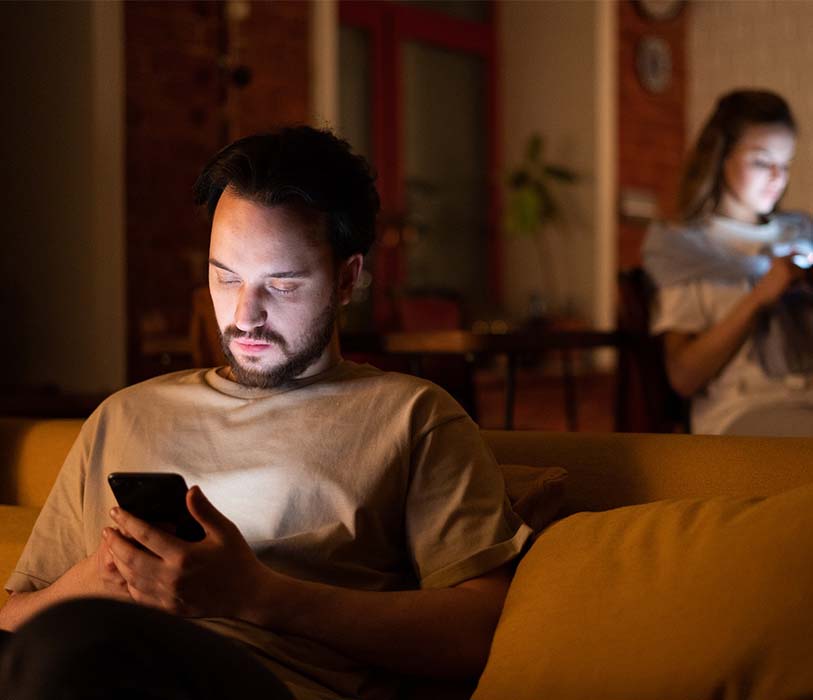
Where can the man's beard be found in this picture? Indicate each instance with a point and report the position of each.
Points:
(314, 342)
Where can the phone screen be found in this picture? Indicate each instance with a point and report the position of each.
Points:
(158, 498)
(803, 261)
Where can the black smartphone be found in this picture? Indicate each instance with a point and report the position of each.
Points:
(158, 498)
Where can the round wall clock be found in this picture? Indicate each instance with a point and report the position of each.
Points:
(659, 10)
(653, 63)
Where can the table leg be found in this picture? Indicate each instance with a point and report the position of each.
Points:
(571, 409)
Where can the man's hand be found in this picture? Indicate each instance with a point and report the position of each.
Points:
(112, 583)
(210, 578)
(95, 575)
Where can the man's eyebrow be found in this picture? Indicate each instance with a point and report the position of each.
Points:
(287, 274)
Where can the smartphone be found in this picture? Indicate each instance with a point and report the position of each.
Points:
(158, 498)
(803, 261)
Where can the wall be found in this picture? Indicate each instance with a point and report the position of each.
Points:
(755, 44)
(61, 270)
(547, 65)
(198, 75)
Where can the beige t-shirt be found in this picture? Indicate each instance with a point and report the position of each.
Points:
(354, 477)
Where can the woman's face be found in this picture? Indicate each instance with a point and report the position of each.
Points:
(755, 173)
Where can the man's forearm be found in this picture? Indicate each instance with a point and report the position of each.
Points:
(80, 580)
(441, 632)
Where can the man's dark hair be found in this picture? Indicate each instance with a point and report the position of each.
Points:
(299, 164)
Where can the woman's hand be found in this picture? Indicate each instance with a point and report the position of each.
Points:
(775, 282)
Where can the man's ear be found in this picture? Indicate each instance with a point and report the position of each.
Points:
(349, 271)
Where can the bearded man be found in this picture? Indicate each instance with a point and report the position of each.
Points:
(356, 527)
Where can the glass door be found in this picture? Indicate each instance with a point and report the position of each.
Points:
(417, 97)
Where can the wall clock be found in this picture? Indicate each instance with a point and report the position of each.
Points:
(653, 64)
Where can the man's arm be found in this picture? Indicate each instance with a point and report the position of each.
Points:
(94, 576)
(440, 632)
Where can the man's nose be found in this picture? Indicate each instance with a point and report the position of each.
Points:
(250, 312)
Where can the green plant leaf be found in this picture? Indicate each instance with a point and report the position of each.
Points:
(523, 211)
(519, 178)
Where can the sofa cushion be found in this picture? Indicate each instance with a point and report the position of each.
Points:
(537, 494)
(31, 455)
(16, 523)
(663, 601)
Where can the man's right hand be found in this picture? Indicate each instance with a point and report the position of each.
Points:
(95, 576)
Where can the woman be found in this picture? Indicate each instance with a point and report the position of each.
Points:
(734, 302)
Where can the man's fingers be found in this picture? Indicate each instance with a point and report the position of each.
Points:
(130, 561)
(152, 538)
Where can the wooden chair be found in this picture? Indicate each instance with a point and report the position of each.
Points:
(645, 401)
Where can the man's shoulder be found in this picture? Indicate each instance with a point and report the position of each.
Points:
(394, 381)
(164, 385)
(383, 391)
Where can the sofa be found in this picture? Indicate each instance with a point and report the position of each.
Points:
(678, 566)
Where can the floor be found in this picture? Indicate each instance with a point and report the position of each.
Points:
(540, 401)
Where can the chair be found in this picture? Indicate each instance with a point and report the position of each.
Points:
(645, 401)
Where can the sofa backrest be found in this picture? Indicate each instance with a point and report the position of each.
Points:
(31, 454)
(606, 470)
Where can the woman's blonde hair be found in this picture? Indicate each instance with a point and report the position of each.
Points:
(702, 183)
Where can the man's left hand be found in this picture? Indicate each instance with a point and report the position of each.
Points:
(210, 578)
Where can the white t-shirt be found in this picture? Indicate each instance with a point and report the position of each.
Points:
(741, 386)
(354, 477)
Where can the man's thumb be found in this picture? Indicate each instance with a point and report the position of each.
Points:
(203, 511)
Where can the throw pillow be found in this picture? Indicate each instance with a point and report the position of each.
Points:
(536, 493)
(663, 601)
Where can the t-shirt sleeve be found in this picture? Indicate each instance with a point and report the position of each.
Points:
(459, 522)
(678, 308)
(57, 541)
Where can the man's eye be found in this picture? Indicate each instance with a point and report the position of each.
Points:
(281, 290)
(228, 281)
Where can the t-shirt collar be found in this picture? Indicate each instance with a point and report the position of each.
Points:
(215, 379)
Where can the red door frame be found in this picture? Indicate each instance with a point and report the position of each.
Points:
(389, 25)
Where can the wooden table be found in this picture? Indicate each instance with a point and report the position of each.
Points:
(512, 345)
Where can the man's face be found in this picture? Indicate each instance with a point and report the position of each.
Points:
(276, 290)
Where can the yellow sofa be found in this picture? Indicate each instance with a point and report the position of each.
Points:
(605, 471)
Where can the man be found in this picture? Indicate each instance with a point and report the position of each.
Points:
(356, 526)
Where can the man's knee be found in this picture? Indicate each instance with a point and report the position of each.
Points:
(86, 648)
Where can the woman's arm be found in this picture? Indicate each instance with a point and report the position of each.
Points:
(692, 360)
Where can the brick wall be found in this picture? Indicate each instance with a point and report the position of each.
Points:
(651, 126)
(183, 105)
(273, 42)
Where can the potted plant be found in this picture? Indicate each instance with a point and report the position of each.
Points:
(532, 208)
